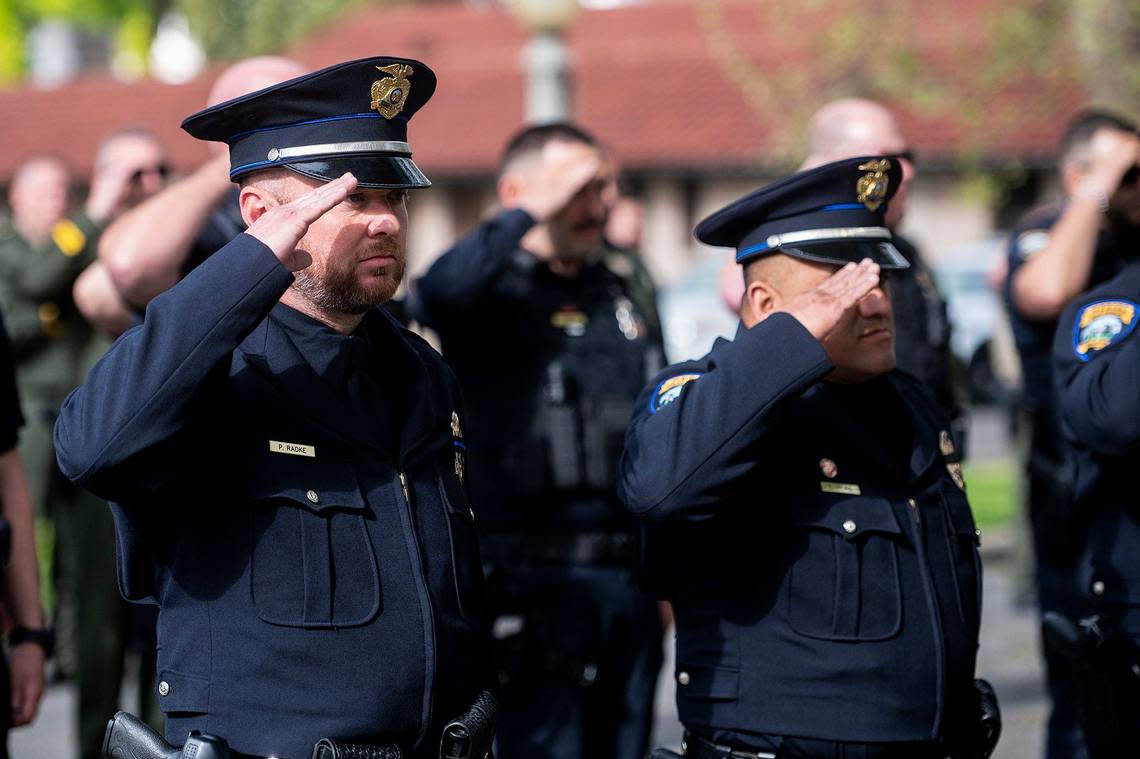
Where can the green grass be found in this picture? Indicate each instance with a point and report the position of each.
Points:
(992, 489)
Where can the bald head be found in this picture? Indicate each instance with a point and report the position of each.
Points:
(252, 74)
(38, 196)
(855, 127)
(852, 127)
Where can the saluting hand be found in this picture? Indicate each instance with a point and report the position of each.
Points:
(819, 310)
(281, 227)
(565, 169)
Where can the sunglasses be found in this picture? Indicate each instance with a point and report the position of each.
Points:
(161, 169)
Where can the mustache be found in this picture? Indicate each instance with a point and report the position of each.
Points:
(383, 247)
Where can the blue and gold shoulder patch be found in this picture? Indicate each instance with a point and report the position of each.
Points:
(1100, 324)
(669, 390)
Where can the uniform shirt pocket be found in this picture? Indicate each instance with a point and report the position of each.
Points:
(465, 558)
(312, 563)
(844, 582)
(963, 538)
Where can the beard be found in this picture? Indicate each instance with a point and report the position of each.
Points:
(340, 290)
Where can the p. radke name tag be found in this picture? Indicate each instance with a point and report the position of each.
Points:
(844, 488)
(293, 449)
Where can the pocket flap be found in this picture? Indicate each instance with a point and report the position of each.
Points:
(711, 683)
(179, 692)
(853, 517)
(316, 485)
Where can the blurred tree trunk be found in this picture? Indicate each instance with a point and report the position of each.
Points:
(1107, 37)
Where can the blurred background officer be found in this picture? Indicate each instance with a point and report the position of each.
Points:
(41, 256)
(1096, 357)
(285, 462)
(151, 247)
(29, 642)
(807, 511)
(1054, 254)
(853, 127)
(551, 347)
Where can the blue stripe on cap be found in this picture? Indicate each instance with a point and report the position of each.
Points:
(345, 117)
(842, 207)
(740, 255)
(256, 164)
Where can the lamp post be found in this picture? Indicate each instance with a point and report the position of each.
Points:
(545, 59)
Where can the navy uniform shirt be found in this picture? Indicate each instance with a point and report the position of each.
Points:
(815, 541)
(1096, 357)
(547, 364)
(306, 536)
(1034, 338)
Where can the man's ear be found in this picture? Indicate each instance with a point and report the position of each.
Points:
(760, 300)
(509, 189)
(254, 201)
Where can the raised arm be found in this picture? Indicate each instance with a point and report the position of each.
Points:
(141, 394)
(696, 428)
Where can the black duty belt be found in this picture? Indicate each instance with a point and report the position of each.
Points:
(696, 747)
(598, 547)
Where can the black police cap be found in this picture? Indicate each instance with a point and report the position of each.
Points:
(349, 117)
(830, 214)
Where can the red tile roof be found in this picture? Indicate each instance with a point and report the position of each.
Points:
(674, 84)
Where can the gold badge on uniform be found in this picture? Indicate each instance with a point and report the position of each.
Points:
(570, 320)
(955, 471)
(871, 190)
(828, 467)
(390, 94)
(68, 237)
(945, 443)
(457, 443)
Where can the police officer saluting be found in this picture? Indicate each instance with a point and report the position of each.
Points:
(282, 457)
(806, 509)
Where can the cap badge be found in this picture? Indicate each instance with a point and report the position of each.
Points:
(390, 94)
(871, 190)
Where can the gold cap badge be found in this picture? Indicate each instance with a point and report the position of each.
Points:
(390, 94)
(871, 189)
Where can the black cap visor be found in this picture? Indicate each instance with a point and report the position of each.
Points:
(844, 252)
(373, 170)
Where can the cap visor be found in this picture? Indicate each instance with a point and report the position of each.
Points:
(386, 172)
(844, 252)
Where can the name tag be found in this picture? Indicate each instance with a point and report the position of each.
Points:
(845, 488)
(293, 449)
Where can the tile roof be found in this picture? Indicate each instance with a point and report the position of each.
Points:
(686, 85)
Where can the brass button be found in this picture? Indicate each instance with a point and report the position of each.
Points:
(849, 526)
(1098, 588)
(163, 688)
(683, 678)
(312, 496)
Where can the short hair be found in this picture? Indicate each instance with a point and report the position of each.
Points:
(1081, 128)
(532, 139)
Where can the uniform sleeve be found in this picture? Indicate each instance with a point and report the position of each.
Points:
(10, 417)
(1096, 361)
(470, 268)
(695, 429)
(142, 393)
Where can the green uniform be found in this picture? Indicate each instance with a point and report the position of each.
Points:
(53, 346)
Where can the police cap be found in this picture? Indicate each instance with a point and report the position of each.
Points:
(831, 214)
(349, 117)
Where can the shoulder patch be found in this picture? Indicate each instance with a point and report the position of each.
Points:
(1032, 241)
(68, 237)
(1102, 323)
(669, 390)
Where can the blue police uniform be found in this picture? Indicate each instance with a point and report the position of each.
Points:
(815, 539)
(1097, 368)
(1059, 532)
(292, 499)
(550, 366)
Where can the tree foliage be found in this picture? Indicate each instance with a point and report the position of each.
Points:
(237, 28)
